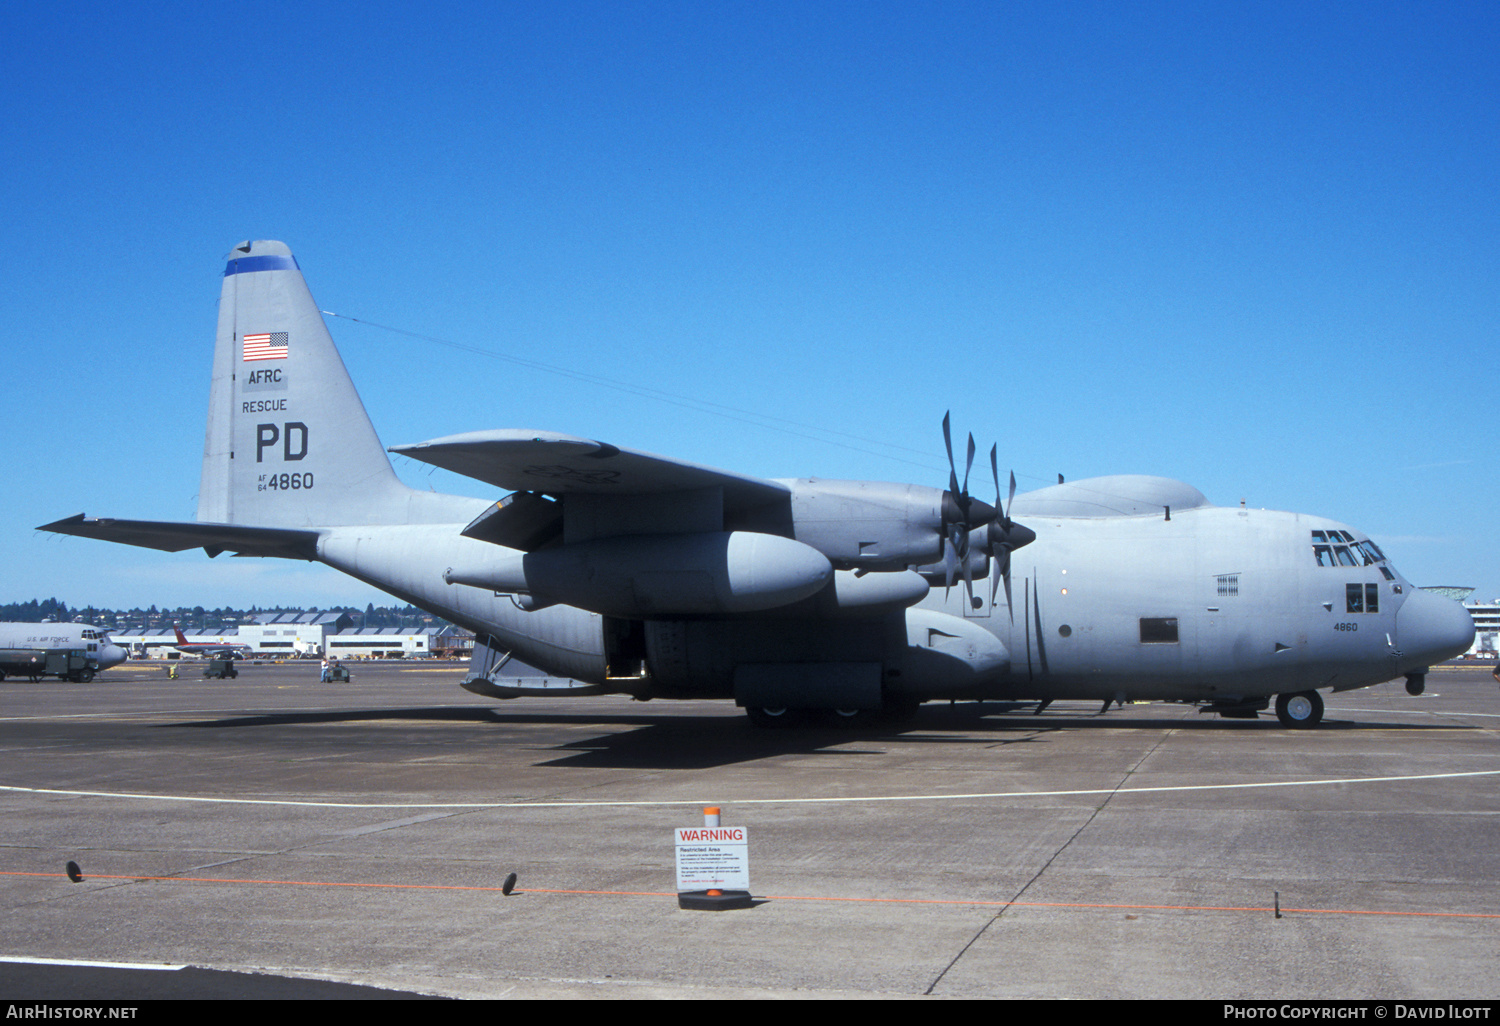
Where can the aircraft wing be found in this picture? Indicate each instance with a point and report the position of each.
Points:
(556, 464)
(170, 536)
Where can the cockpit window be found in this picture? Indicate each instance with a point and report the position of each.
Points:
(1340, 548)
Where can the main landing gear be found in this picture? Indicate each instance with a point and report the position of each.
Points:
(781, 717)
(1300, 710)
(845, 719)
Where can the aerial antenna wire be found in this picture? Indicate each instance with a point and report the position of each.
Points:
(672, 398)
(734, 413)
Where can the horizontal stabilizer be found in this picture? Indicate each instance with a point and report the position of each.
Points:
(555, 464)
(170, 536)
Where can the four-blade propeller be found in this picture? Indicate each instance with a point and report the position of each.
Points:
(963, 514)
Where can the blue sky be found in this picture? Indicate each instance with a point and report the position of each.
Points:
(1250, 246)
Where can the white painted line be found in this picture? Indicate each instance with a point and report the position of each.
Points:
(1080, 792)
(87, 963)
(1435, 713)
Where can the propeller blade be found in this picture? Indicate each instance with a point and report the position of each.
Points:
(1008, 604)
(995, 473)
(968, 466)
(948, 443)
(999, 567)
(950, 564)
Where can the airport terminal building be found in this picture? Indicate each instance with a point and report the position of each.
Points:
(307, 636)
(1486, 628)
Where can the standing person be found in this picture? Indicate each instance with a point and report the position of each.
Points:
(323, 675)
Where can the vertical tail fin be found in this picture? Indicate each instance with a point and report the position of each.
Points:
(289, 443)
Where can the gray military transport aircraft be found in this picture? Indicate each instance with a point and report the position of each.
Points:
(71, 651)
(640, 574)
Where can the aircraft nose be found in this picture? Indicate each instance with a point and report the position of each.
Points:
(1430, 628)
(110, 655)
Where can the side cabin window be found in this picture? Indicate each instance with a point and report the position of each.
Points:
(1159, 630)
(1362, 598)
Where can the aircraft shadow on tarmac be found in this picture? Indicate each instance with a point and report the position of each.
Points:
(672, 740)
(701, 743)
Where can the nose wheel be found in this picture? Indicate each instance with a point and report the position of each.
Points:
(1300, 710)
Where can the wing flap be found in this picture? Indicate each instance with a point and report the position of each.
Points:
(523, 521)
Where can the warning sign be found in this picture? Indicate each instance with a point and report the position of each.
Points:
(712, 857)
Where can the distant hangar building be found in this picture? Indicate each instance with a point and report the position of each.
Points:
(291, 635)
(308, 635)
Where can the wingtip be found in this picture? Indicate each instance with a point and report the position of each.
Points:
(57, 525)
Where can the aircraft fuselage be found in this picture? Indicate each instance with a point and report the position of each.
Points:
(1214, 604)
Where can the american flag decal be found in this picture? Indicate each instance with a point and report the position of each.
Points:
(267, 346)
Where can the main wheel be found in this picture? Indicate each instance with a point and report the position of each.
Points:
(780, 717)
(847, 719)
(1301, 710)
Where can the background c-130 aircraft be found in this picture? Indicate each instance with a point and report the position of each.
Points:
(640, 574)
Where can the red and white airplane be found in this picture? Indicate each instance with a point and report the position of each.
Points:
(209, 649)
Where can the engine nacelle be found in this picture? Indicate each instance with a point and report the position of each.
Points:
(865, 595)
(651, 576)
(871, 525)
